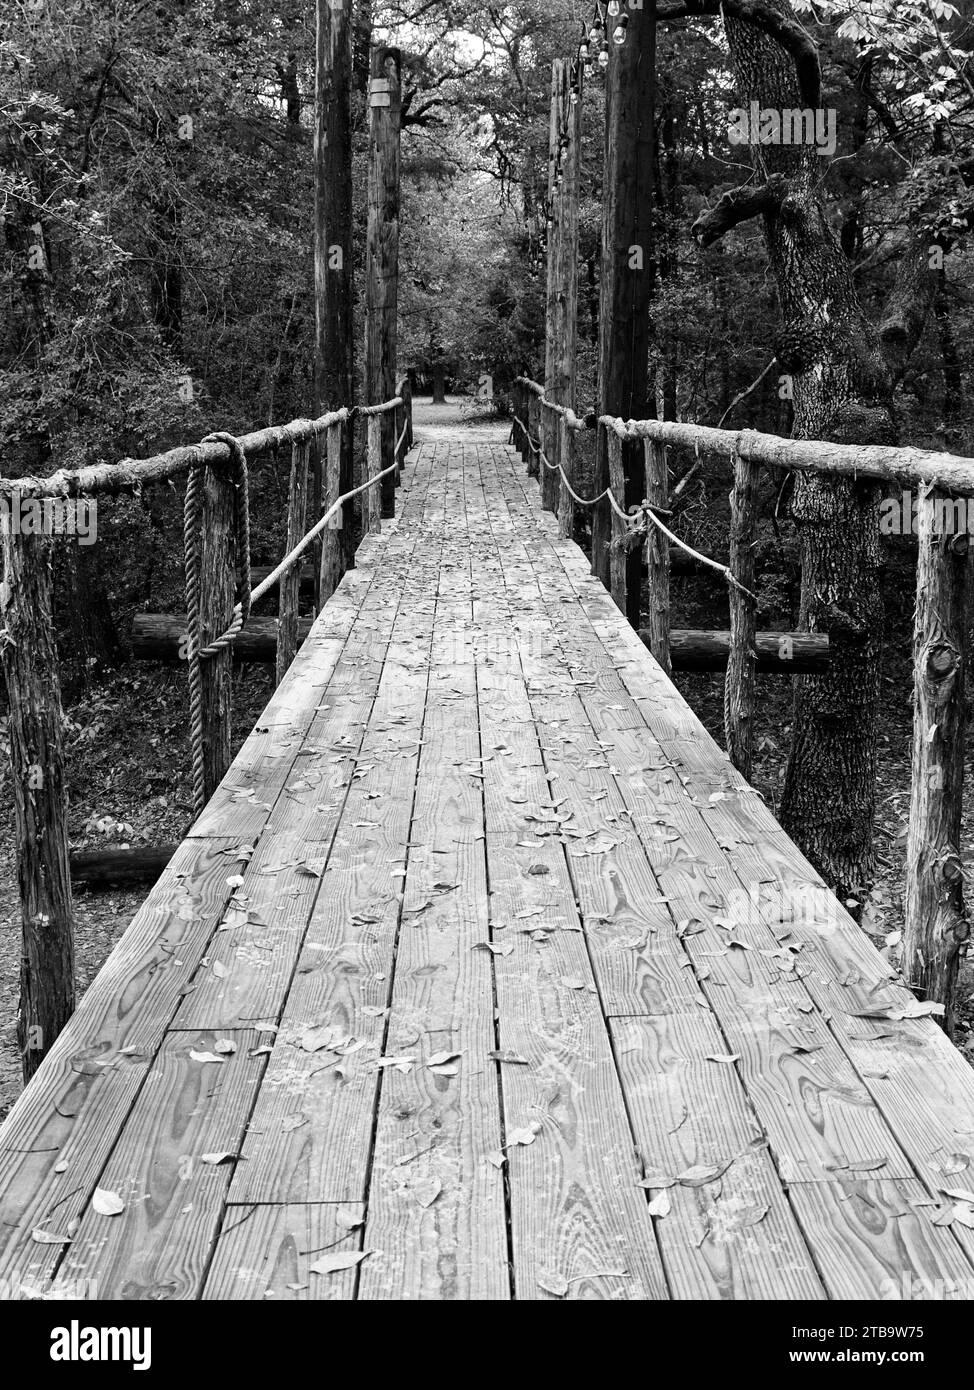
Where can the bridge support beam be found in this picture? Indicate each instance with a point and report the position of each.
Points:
(628, 272)
(936, 925)
(334, 337)
(30, 668)
(382, 252)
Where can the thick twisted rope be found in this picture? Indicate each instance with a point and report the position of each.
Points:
(192, 545)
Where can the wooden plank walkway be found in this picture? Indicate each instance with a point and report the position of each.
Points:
(484, 975)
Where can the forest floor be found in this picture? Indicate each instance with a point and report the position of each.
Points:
(128, 784)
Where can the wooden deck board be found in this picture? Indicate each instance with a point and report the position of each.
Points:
(477, 820)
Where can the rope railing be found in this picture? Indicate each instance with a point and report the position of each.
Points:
(216, 534)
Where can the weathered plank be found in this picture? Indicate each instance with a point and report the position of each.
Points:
(269, 1251)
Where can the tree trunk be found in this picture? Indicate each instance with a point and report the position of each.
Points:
(842, 392)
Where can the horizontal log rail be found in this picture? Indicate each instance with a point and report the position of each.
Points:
(937, 487)
(217, 558)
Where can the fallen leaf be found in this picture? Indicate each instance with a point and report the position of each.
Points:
(40, 1237)
(555, 1284)
(223, 1156)
(225, 1046)
(107, 1203)
(661, 1204)
(206, 1057)
(339, 1260)
(729, 1057)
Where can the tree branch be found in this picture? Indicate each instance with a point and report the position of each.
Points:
(764, 15)
(739, 205)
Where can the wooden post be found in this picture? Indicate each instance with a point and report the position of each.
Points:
(333, 257)
(332, 558)
(548, 478)
(561, 314)
(566, 503)
(371, 499)
(628, 262)
(382, 249)
(217, 596)
(618, 556)
(407, 395)
(534, 427)
(287, 600)
(316, 484)
(936, 927)
(658, 556)
(742, 659)
(30, 667)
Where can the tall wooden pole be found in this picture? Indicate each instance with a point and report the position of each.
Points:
(936, 925)
(565, 133)
(40, 805)
(382, 250)
(334, 341)
(628, 261)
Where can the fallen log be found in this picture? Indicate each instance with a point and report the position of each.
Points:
(161, 637)
(779, 653)
(99, 868)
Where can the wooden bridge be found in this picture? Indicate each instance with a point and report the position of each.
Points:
(484, 974)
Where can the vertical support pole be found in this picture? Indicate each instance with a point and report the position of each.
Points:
(287, 622)
(628, 265)
(561, 313)
(658, 556)
(398, 416)
(315, 493)
(534, 427)
(742, 656)
(555, 261)
(371, 499)
(217, 595)
(333, 258)
(332, 564)
(936, 926)
(566, 503)
(382, 249)
(547, 475)
(407, 395)
(618, 568)
(40, 806)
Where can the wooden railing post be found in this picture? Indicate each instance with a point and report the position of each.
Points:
(566, 503)
(332, 559)
(548, 478)
(382, 249)
(936, 926)
(658, 556)
(742, 658)
(407, 395)
(40, 805)
(371, 497)
(534, 426)
(217, 595)
(618, 569)
(399, 416)
(287, 622)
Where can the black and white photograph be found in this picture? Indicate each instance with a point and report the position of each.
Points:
(486, 499)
